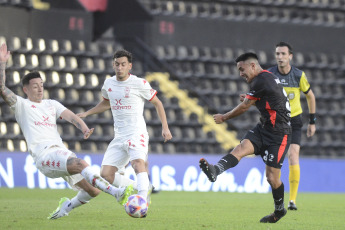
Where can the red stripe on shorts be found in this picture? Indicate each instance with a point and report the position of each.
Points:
(282, 148)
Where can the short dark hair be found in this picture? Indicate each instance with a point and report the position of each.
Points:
(282, 44)
(246, 56)
(123, 53)
(26, 79)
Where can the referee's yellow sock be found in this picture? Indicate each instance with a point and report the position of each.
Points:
(294, 176)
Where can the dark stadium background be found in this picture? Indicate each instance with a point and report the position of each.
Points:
(196, 42)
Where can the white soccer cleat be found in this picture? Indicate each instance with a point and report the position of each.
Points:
(123, 197)
(60, 210)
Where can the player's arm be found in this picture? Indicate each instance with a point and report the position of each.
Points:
(102, 106)
(71, 117)
(9, 97)
(238, 110)
(312, 110)
(162, 116)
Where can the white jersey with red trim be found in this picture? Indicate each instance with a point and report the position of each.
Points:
(127, 99)
(38, 123)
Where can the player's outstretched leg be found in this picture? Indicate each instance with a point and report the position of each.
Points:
(121, 194)
(122, 197)
(60, 211)
(208, 169)
(292, 205)
(273, 217)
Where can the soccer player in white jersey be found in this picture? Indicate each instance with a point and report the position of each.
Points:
(37, 119)
(125, 94)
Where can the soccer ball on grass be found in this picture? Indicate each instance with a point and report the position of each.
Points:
(136, 206)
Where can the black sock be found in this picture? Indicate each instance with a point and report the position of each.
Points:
(278, 197)
(228, 161)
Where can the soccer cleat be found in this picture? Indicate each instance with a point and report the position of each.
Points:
(208, 169)
(274, 217)
(292, 205)
(60, 210)
(155, 191)
(127, 192)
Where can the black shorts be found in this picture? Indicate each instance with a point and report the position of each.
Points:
(271, 147)
(296, 124)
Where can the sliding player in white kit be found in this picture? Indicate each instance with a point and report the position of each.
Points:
(37, 120)
(125, 95)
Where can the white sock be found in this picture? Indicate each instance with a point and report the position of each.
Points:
(122, 181)
(143, 184)
(81, 198)
(97, 181)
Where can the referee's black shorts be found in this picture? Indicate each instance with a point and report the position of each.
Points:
(296, 124)
(271, 147)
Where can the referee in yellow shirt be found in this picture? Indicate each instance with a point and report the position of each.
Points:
(294, 81)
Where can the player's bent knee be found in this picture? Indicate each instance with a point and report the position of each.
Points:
(76, 165)
(275, 183)
(273, 180)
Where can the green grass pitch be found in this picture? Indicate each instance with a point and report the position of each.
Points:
(22, 208)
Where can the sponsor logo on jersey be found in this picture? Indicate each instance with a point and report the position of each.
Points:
(45, 122)
(109, 90)
(118, 105)
(33, 106)
(283, 82)
(121, 107)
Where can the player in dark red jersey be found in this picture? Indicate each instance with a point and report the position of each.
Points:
(270, 138)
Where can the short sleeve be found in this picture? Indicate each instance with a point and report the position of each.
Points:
(257, 89)
(104, 92)
(146, 90)
(304, 84)
(17, 108)
(59, 108)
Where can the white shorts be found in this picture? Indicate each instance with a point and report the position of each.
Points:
(53, 164)
(119, 152)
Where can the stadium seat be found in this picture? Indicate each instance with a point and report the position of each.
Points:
(167, 8)
(31, 62)
(79, 48)
(39, 46)
(191, 9)
(155, 7)
(137, 69)
(169, 148)
(65, 47)
(46, 62)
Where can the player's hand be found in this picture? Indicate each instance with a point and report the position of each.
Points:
(218, 118)
(242, 96)
(166, 135)
(4, 53)
(88, 133)
(311, 130)
(82, 115)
